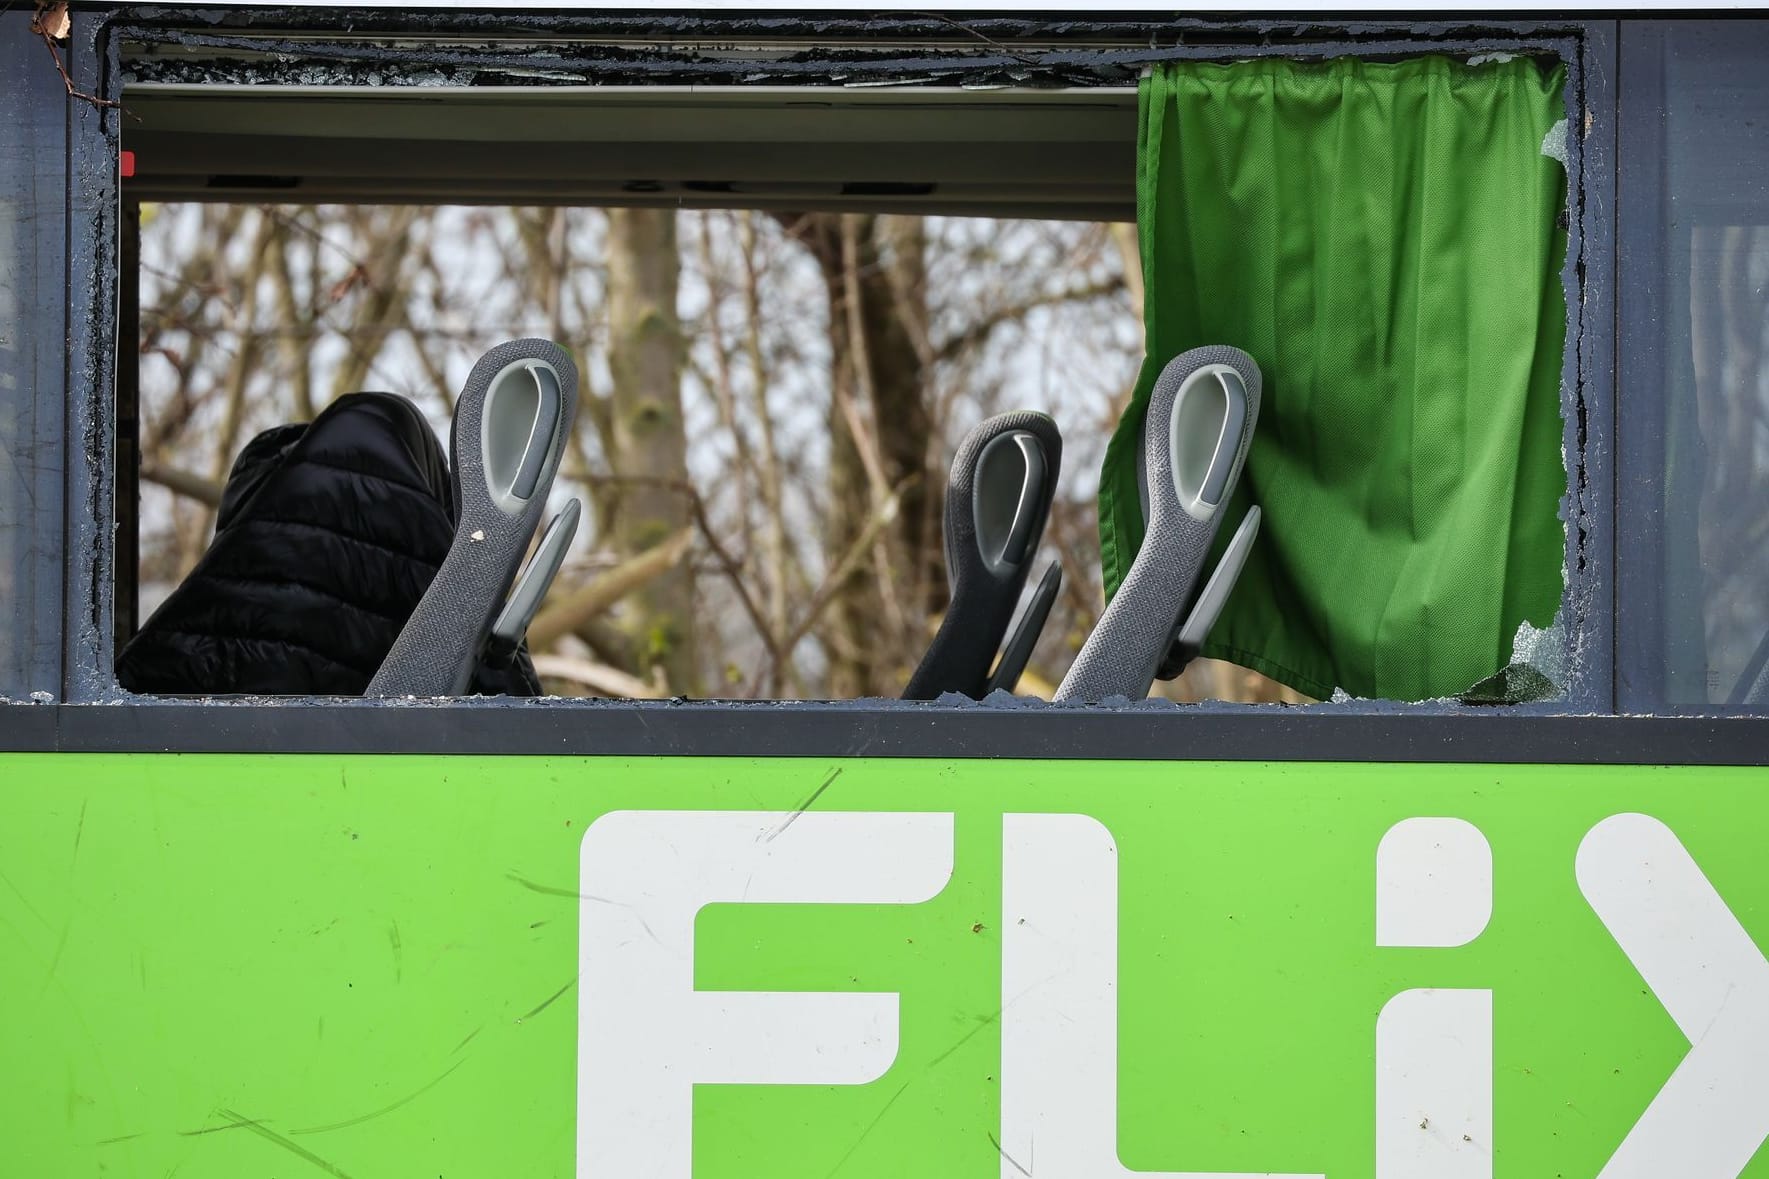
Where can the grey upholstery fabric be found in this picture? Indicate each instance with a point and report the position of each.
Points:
(1120, 657)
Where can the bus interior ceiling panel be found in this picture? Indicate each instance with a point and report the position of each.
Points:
(1055, 154)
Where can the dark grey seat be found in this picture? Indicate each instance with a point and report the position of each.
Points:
(997, 502)
(510, 427)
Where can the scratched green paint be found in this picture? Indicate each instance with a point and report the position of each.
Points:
(278, 967)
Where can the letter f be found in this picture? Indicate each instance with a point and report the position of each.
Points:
(646, 1037)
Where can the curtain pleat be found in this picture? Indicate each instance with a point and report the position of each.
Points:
(1384, 239)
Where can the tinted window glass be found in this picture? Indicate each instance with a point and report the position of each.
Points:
(1695, 397)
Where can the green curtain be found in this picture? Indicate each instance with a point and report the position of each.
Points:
(1383, 238)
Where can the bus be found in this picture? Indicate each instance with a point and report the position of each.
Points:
(1499, 278)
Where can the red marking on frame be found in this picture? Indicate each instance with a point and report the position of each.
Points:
(128, 164)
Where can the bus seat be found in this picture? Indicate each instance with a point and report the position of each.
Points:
(510, 426)
(1195, 436)
(998, 497)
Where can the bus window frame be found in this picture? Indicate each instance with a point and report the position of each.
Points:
(34, 153)
(98, 715)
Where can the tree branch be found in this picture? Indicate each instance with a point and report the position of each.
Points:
(882, 515)
(981, 328)
(204, 491)
(52, 24)
(598, 677)
(731, 566)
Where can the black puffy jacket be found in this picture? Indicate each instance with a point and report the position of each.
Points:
(327, 535)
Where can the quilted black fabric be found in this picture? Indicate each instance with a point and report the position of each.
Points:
(327, 536)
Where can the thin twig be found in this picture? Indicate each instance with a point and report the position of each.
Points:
(597, 676)
(773, 495)
(979, 330)
(41, 25)
(882, 515)
(731, 566)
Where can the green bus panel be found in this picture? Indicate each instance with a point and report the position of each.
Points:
(233, 967)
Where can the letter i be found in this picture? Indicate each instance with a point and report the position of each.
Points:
(1434, 1048)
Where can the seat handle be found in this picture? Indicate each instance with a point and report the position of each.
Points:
(1018, 650)
(1207, 608)
(532, 586)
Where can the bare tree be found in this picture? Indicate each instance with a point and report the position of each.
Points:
(652, 495)
(879, 427)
